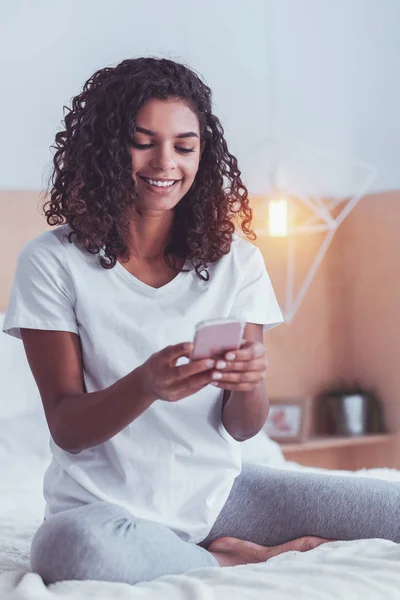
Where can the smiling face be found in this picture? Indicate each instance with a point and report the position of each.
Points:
(165, 153)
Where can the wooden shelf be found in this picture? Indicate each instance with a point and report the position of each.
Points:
(327, 442)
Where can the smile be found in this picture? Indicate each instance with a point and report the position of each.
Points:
(159, 182)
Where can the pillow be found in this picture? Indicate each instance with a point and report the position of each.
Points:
(261, 450)
(18, 391)
(24, 437)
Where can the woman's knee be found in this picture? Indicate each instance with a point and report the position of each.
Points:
(79, 544)
(104, 542)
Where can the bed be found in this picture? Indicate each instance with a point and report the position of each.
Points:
(359, 569)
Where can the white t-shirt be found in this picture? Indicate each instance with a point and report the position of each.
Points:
(175, 464)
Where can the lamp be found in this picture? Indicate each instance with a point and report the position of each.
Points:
(278, 217)
(324, 215)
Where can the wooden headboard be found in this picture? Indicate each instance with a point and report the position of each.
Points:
(21, 219)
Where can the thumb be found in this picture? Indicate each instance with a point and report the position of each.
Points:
(174, 352)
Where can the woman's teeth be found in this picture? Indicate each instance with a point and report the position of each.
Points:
(159, 183)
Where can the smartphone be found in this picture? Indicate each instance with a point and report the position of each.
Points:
(214, 337)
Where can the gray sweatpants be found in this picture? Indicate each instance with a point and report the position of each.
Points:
(103, 541)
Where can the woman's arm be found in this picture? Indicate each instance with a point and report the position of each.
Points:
(78, 420)
(246, 410)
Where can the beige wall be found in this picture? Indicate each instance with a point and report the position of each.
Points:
(369, 245)
(20, 221)
(348, 325)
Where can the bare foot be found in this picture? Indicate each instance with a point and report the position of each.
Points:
(231, 551)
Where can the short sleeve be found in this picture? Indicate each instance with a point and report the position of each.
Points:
(42, 295)
(255, 300)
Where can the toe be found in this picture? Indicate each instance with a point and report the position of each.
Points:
(306, 543)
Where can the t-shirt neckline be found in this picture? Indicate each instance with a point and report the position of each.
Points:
(149, 289)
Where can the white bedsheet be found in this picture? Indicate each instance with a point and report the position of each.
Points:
(362, 569)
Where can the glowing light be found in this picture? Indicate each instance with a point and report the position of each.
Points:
(278, 217)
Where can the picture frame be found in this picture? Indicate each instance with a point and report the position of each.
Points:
(289, 419)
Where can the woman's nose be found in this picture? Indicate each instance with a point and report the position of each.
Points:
(163, 160)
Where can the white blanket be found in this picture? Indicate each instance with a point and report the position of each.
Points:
(350, 570)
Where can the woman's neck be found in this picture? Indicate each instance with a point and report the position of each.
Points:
(149, 235)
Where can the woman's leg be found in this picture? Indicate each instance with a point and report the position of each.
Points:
(271, 507)
(102, 541)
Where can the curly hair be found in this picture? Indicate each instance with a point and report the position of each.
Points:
(91, 186)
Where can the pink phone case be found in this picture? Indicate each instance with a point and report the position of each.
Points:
(212, 340)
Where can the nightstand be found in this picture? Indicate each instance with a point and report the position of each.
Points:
(345, 453)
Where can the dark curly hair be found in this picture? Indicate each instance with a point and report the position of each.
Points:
(91, 186)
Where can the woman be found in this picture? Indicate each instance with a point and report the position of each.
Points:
(146, 477)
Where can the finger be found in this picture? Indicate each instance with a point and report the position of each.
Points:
(172, 353)
(249, 351)
(238, 377)
(194, 367)
(193, 384)
(260, 364)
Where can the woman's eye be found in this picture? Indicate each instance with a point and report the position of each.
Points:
(147, 146)
(185, 150)
(141, 146)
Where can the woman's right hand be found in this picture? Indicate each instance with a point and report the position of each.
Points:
(162, 379)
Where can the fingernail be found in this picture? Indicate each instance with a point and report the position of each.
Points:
(215, 383)
(230, 356)
(217, 375)
(210, 363)
(221, 364)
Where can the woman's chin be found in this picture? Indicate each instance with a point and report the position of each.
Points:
(159, 199)
(145, 203)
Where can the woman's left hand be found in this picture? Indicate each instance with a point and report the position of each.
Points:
(242, 369)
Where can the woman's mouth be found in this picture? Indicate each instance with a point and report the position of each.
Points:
(160, 186)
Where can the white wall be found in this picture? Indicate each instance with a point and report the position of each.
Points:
(335, 69)
(50, 47)
(313, 71)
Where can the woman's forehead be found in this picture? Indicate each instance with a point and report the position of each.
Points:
(171, 117)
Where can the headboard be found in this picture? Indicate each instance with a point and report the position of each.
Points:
(21, 219)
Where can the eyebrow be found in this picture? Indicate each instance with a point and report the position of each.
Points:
(188, 134)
